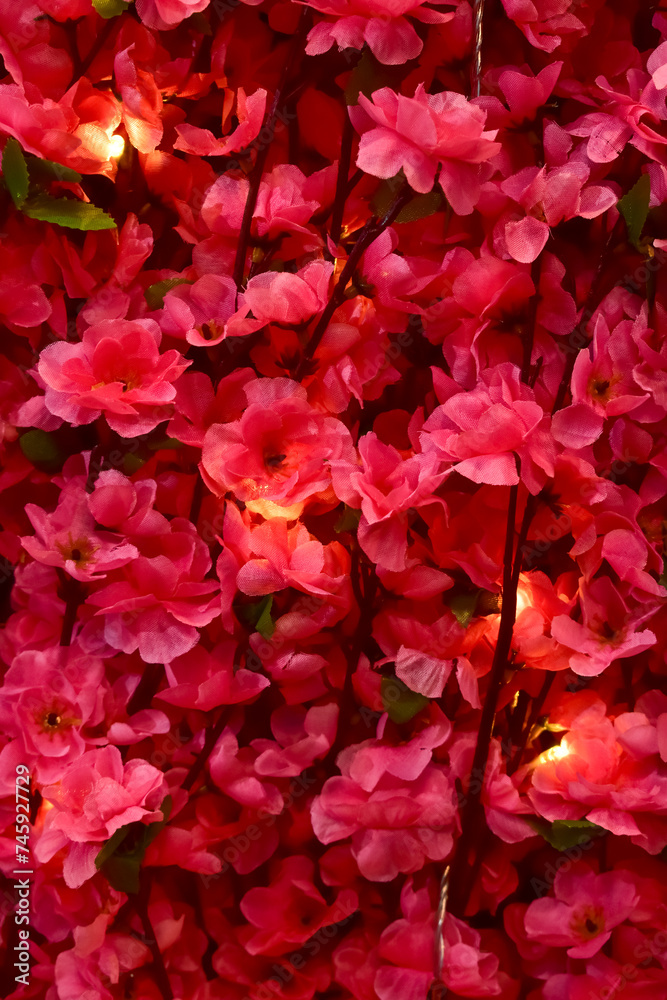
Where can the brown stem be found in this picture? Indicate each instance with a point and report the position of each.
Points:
(145, 690)
(140, 902)
(470, 824)
(212, 737)
(100, 41)
(515, 763)
(258, 169)
(373, 228)
(342, 179)
(72, 594)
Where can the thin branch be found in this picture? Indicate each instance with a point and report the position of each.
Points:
(145, 690)
(470, 824)
(258, 169)
(342, 179)
(140, 902)
(212, 737)
(373, 228)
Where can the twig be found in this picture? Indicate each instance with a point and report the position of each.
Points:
(72, 595)
(143, 693)
(342, 179)
(469, 820)
(258, 169)
(373, 228)
(212, 737)
(140, 902)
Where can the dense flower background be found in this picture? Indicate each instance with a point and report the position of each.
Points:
(333, 472)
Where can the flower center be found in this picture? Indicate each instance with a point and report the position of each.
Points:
(79, 551)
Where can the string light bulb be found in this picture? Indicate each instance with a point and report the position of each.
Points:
(523, 598)
(555, 753)
(116, 147)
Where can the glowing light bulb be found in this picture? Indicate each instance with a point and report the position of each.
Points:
(555, 753)
(116, 147)
(523, 599)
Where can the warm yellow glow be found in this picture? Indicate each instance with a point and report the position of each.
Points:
(555, 753)
(267, 509)
(116, 147)
(523, 598)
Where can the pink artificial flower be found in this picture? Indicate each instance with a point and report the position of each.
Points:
(232, 769)
(395, 827)
(142, 101)
(420, 133)
(544, 21)
(117, 370)
(302, 735)
(203, 680)
(198, 405)
(424, 652)
(385, 487)
(285, 298)
(482, 323)
(249, 111)
(96, 795)
(76, 131)
(368, 762)
(68, 538)
(162, 600)
(291, 910)
(378, 23)
(405, 949)
(548, 197)
(603, 377)
(503, 806)
(483, 432)
(596, 642)
(48, 698)
(260, 559)
(199, 311)
(166, 14)
(592, 774)
(468, 970)
(584, 911)
(275, 458)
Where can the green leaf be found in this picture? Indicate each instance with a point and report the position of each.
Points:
(348, 520)
(42, 449)
(67, 212)
(422, 206)
(633, 206)
(121, 857)
(155, 294)
(258, 615)
(367, 76)
(110, 8)
(132, 463)
(15, 171)
(265, 624)
(400, 703)
(566, 833)
(47, 170)
(164, 443)
(463, 607)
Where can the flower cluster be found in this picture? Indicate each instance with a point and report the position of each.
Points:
(333, 493)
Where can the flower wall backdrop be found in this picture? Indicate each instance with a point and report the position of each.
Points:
(333, 472)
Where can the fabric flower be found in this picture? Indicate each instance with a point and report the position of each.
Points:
(419, 133)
